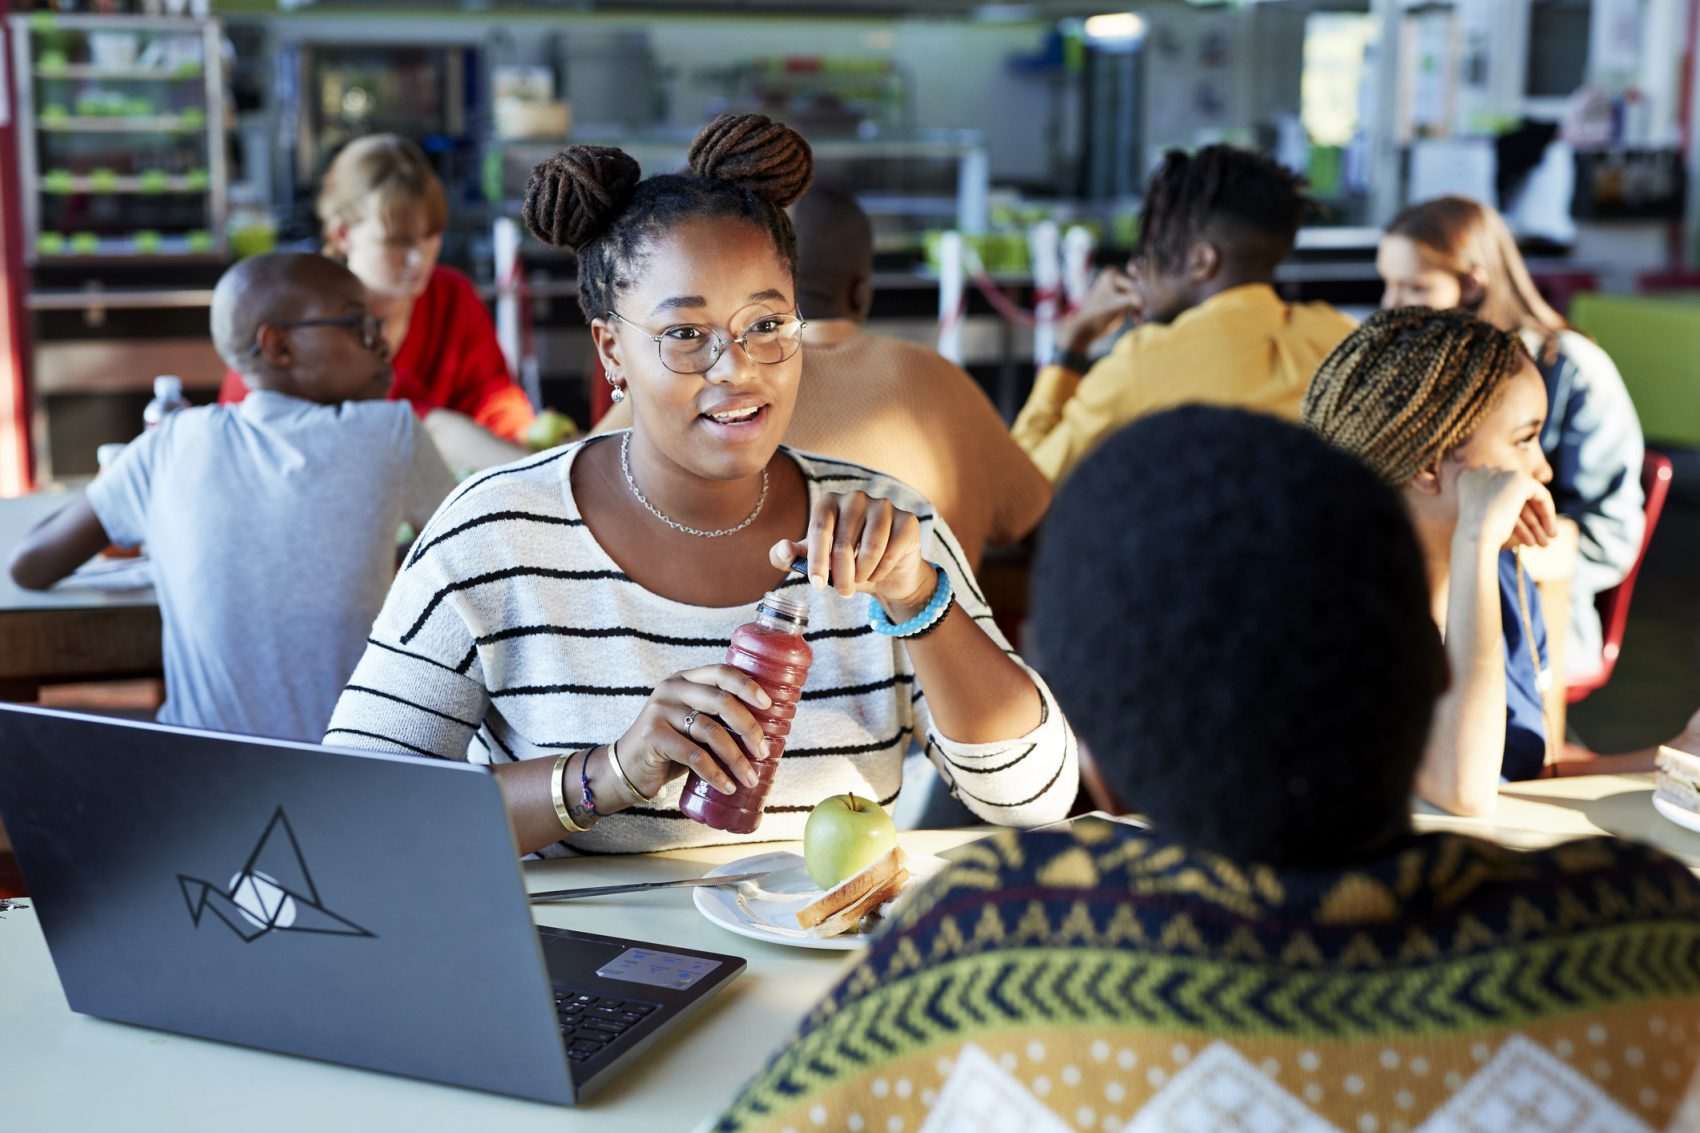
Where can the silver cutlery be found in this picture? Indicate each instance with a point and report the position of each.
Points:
(639, 887)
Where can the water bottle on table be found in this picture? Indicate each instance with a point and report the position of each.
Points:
(167, 399)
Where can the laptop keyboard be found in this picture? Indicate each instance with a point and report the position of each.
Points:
(590, 1023)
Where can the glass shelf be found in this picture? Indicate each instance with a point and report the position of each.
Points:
(158, 124)
(120, 137)
(85, 71)
(143, 185)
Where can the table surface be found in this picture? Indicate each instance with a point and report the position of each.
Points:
(17, 515)
(59, 1070)
(62, 1070)
(1540, 812)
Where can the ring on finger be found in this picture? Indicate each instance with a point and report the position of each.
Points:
(690, 722)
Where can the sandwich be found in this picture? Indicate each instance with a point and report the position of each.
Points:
(1676, 779)
(857, 897)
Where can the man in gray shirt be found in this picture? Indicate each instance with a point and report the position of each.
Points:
(271, 524)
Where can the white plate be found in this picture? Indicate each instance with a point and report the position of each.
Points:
(1677, 814)
(767, 909)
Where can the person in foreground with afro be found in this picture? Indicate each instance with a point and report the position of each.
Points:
(565, 617)
(1251, 661)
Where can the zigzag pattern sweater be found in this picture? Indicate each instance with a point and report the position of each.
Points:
(509, 633)
(1096, 979)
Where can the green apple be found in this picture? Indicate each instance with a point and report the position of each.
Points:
(845, 835)
(549, 429)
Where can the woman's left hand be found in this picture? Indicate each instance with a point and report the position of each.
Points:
(857, 543)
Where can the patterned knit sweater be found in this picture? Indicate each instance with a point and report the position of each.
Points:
(510, 634)
(1097, 979)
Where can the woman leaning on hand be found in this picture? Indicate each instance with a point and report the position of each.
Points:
(1448, 410)
(1457, 252)
(565, 618)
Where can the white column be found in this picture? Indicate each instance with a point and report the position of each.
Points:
(1045, 246)
(506, 255)
(950, 296)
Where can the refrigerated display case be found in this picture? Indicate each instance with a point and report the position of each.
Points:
(120, 137)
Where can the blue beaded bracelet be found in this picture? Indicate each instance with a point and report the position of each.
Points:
(935, 609)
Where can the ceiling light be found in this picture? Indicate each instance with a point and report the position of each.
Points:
(1115, 27)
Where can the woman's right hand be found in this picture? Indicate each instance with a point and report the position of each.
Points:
(1507, 509)
(667, 739)
(1112, 298)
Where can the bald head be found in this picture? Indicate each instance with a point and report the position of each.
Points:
(274, 288)
(835, 255)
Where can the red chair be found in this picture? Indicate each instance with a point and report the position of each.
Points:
(1558, 286)
(1653, 282)
(11, 881)
(1613, 604)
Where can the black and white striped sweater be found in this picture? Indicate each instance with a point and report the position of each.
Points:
(510, 634)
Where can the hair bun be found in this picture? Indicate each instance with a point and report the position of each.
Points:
(574, 196)
(754, 151)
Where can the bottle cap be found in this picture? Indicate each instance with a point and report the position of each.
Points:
(783, 608)
(168, 386)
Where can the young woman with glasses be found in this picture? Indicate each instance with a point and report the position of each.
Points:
(565, 618)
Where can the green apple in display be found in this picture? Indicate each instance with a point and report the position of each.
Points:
(550, 429)
(845, 835)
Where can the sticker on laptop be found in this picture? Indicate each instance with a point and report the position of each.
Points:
(657, 969)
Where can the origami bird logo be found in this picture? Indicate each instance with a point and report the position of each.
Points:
(273, 891)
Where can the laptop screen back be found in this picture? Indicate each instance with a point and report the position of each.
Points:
(358, 908)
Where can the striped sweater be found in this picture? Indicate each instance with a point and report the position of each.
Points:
(511, 634)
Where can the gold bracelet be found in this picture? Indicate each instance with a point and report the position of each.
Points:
(559, 798)
(631, 788)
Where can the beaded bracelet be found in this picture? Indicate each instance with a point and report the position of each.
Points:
(935, 609)
(937, 622)
(586, 796)
(557, 795)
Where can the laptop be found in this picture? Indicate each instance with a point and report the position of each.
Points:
(354, 907)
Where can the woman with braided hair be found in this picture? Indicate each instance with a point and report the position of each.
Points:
(564, 618)
(1449, 409)
(1457, 252)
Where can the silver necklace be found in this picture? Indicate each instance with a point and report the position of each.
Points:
(626, 467)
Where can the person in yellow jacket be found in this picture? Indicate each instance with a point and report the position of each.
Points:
(1211, 329)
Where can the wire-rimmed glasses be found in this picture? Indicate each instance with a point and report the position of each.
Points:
(368, 326)
(692, 348)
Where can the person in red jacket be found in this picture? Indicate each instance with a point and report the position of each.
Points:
(383, 211)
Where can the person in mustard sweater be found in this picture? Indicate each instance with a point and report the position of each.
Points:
(893, 405)
(1211, 329)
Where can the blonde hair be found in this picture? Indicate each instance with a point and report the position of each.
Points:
(1410, 385)
(383, 176)
(1465, 236)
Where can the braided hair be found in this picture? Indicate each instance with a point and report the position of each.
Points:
(595, 200)
(1409, 386)
(1236, 197)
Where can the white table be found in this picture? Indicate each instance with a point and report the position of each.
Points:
(1541, 812)
(70, 632)
(62, 1071)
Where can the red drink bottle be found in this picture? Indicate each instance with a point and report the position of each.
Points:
(772, 650)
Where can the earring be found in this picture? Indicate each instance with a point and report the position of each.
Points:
(619, 393)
